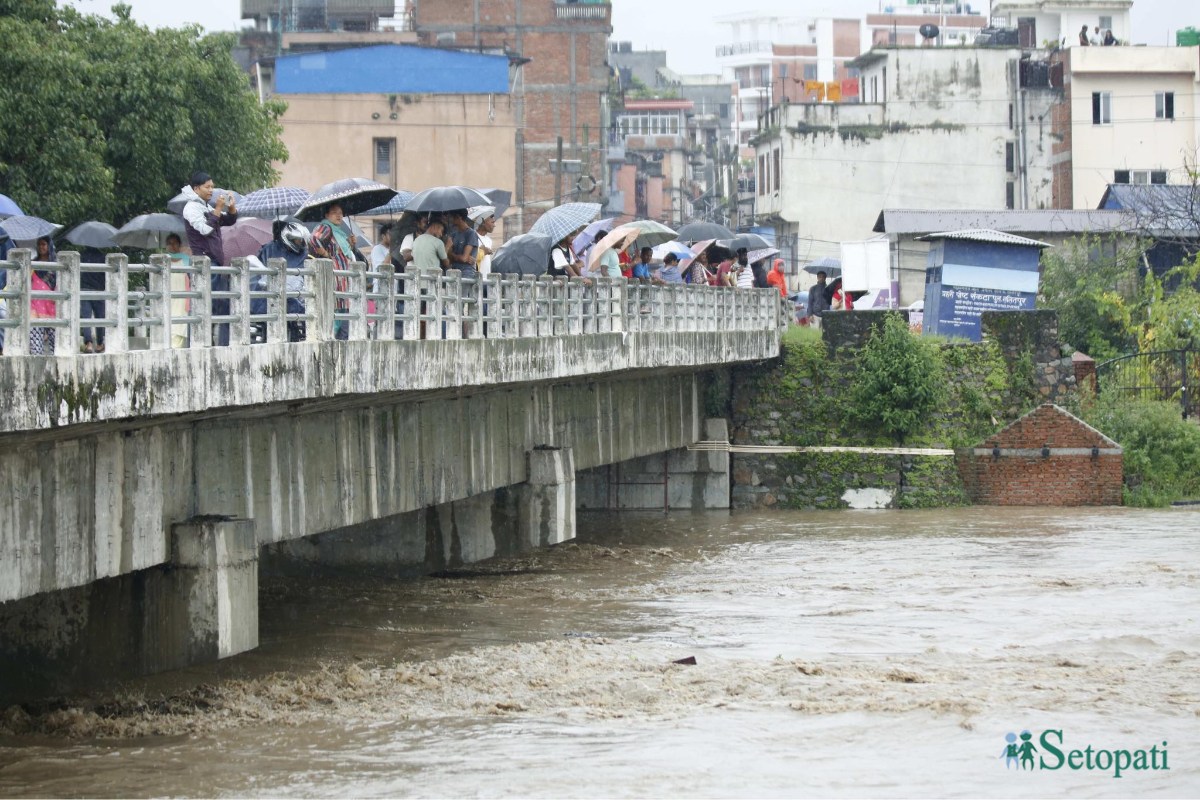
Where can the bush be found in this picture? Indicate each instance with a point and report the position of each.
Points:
(900, 380)
(1162, 450)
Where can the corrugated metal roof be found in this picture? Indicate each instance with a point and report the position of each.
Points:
(995, 237)
(392, 69)
(916, 220)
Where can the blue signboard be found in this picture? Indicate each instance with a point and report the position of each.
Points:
(959, 309)
(967, 277)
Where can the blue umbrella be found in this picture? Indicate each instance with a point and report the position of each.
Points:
(526, 254)
(8, 207)
(561, 221)
(21, 228)
(276, 201)
(394, 206)
(585, 237)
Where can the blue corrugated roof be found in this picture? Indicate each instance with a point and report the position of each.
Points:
(392, 69)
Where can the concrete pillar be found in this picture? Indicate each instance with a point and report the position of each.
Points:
(199, 607)
(209, 598)
(547, 499)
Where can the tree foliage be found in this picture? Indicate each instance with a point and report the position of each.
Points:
(900, 380)
(1093, 284)
(106, 119)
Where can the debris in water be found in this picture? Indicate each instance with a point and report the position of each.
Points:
(690, 661)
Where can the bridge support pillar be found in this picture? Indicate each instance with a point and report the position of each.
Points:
(678, 479)
(547, 499)
(206, 607)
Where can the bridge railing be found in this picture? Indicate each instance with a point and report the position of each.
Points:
(167, 303)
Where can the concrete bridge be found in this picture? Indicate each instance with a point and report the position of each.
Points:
(142, 484)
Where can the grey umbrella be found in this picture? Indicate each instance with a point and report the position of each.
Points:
(354, 195)
(746, 241)
(394, 206)
(92, 234)
(149, 231)
(499, 199)
(699, 231)
(22, 228)
(447, 198)
(525, 254)
(832, 267)
(175, 204)
(274, 201)
(561, 221)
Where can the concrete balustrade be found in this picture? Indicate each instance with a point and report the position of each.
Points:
(373, 304)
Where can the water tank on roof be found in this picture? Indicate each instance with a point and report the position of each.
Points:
(929, 30)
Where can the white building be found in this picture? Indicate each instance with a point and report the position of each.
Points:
(1048, 22)
(1132, 119)
(746, 57)
(937, 128)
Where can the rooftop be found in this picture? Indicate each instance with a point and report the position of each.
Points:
(913, 221)
(990, 236)
(392, 69)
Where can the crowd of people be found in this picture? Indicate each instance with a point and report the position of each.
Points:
(459, 239)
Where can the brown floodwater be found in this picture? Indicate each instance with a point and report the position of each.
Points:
(837, 654)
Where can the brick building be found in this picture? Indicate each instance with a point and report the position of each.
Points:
(560, 77)
(1046, 458)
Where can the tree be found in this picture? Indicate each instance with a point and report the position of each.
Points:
(104, 119)
(1093, 284)
(900, 380)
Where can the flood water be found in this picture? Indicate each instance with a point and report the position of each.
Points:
(837, 654)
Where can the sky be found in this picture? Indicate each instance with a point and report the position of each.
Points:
(684, 28)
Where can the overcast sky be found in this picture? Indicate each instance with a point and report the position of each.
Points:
(684, 28)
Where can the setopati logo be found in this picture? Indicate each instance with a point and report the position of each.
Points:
(1052, 753)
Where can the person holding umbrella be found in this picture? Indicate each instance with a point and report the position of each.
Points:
(330, 240)
(203, 225)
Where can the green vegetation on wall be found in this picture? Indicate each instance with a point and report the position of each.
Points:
(899, 381)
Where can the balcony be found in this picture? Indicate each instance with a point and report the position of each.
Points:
(582, 9)
(743, 48)
(269, 8)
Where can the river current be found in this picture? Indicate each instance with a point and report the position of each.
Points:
(836, 654)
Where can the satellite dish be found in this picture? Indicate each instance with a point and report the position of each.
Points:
(929, 30)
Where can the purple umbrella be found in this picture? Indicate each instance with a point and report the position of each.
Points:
(245, 237)
(8, 207)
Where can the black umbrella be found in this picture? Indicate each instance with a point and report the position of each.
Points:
(149, 231)
(92, 234)
(447, 198)
(499, 199)
(699, 231)
(525, 254)
(354, 195)
(745, 241)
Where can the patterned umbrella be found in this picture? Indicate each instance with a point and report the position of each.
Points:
(8, 207)
(447, 198)
(585, 237)
(561, 221)
(149, 231)
(354, 195)
(276, 201)
(175, 204)
(394, 206)
(697, 231)
(524, 254)
(245, 237)
(92, 234)
(759, 255)
(21, 228)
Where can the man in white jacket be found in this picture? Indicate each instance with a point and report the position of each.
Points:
(203, 226)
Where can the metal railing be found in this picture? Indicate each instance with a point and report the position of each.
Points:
(1169, 375)
(172, 304)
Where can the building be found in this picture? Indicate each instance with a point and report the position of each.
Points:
(937, 128)
(1128, 115)
(805, 73)
(746, 60)
(1050, 23)
(560, 82)
(654, 180)
(902, 24)
(407, 116)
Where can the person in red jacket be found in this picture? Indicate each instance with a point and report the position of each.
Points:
(777, 279)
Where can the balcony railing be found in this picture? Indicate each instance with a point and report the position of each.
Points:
(585, 9)
(274, 304)
(743, 48)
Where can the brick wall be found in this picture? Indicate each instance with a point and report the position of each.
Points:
(1046, 458)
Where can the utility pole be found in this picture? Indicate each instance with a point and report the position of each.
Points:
(558, 169)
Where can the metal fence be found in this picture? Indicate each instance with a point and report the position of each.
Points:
(1170, 375)
(174, 305)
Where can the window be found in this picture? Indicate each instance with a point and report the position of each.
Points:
(777, 152)
(783, 70)
(1164, 105)
(1121, 176)
(1101, 108)
(1140, 176)
(385, 161)
(723, 109)
(810, 72)
(1010, 195)
(762, 174)
(1105, 24)
(1012, 117)
(1158, 176)
(1010, 156)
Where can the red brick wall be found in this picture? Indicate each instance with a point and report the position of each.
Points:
(1030, 479)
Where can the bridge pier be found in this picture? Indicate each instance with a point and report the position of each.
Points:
(679, 479)
(200, 606)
